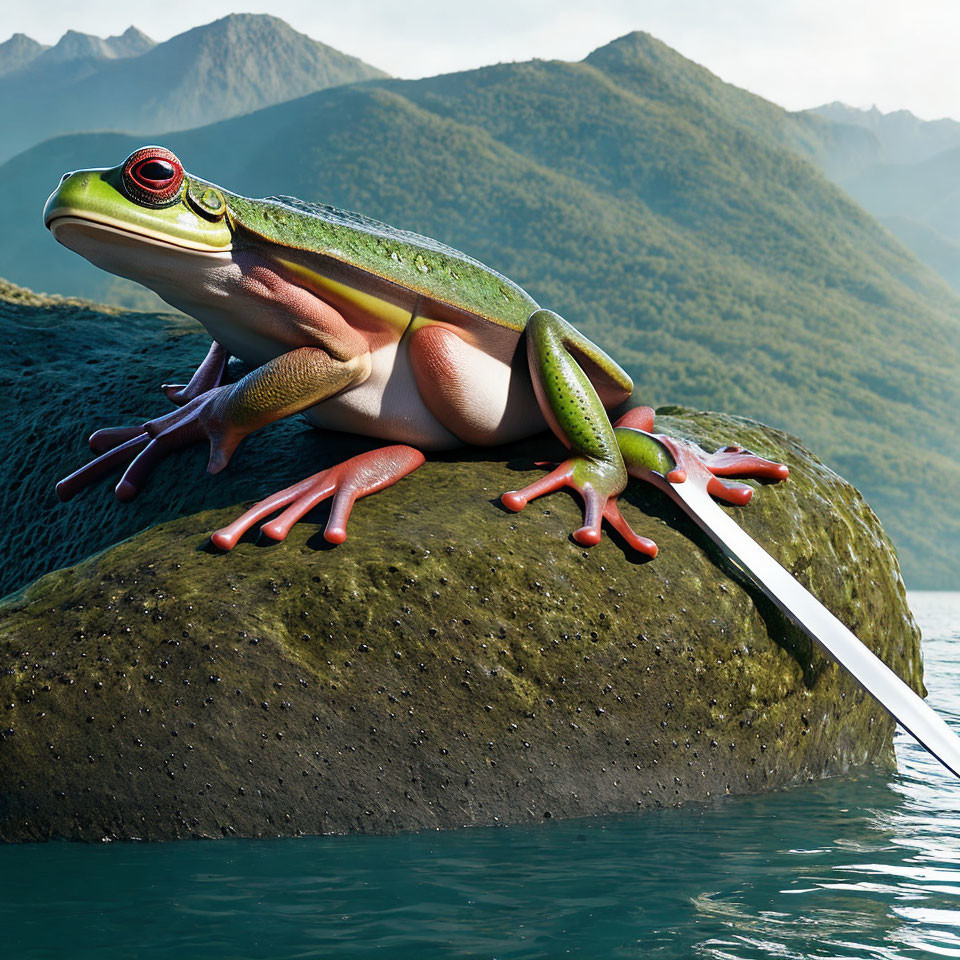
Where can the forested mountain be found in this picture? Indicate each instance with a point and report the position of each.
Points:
(222, 69)
(908, 179)
(667, 214)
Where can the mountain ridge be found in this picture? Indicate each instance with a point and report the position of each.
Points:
(902, 137)
(717, 264)
(908, 181)
(75, 45)
(18, 51)
(234, 65)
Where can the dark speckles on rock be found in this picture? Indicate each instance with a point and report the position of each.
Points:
(368, 699)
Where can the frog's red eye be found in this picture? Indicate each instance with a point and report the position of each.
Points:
(152, 175)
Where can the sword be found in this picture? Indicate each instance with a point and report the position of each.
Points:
(678, 469)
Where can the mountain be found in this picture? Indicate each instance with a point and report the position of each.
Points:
(84, 46)
(37, 75)
(665, 213)
(927, 192)
(901, 137)
(235, 65)
(932, 247)
(908, 181)
(17, 52)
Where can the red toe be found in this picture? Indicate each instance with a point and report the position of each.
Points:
(587, 536)
(223, 540)
(514, 500)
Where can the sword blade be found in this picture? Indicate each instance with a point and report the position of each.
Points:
(910, 710)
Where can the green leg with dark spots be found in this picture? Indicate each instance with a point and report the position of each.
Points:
(567, 370)
(559, 357)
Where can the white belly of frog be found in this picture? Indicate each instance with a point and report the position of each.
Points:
(387, 404)
(390, 404)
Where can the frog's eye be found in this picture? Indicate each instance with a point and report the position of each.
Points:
(152, 175)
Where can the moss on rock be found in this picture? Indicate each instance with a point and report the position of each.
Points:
(450, 664)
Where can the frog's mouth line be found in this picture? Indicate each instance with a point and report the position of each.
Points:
(65, 217)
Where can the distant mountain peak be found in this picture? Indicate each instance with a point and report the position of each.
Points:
(131, 42)
(239, 18)
(635, 41)
(283, 56)
(18, 51)
(634, 37)
(260, 30)
(901, 135)
(643, 56)
(71, 46)
(234, 23)
(259, 27)
(837, 109)
(74, 45)
(234, 65)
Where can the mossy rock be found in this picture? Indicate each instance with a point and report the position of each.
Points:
(450, 664)
(68, 367)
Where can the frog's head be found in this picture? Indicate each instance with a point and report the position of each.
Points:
(144, 219)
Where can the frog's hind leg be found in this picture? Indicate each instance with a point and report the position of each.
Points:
(346, 483)
(643, 451)
(560, 358)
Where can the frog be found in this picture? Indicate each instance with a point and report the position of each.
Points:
(356, 326)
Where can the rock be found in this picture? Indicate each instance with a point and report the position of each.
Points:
(450, 664)
(68, 367)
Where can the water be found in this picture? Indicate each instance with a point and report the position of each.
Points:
(866, 868)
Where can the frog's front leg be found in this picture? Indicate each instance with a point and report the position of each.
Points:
(208, 375)
(558, 355)
(223, 415)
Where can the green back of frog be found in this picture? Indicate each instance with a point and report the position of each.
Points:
(415, 262)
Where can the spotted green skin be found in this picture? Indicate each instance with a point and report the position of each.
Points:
(410, 260)
(572, 399)
(451, 277)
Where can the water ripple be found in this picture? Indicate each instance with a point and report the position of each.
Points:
(865, 867)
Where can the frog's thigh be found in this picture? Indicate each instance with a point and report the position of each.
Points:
(478, 398)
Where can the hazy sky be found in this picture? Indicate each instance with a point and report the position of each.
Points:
(798, 53)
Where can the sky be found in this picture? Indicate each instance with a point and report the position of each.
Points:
(798, 53)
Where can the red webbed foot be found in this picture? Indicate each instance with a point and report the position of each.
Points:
(346, 483)
(733, 461)
(588, 479)
(727, 461)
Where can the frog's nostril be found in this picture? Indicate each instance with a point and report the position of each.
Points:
(66, 177)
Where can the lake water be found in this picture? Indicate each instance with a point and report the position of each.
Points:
(866, 867)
